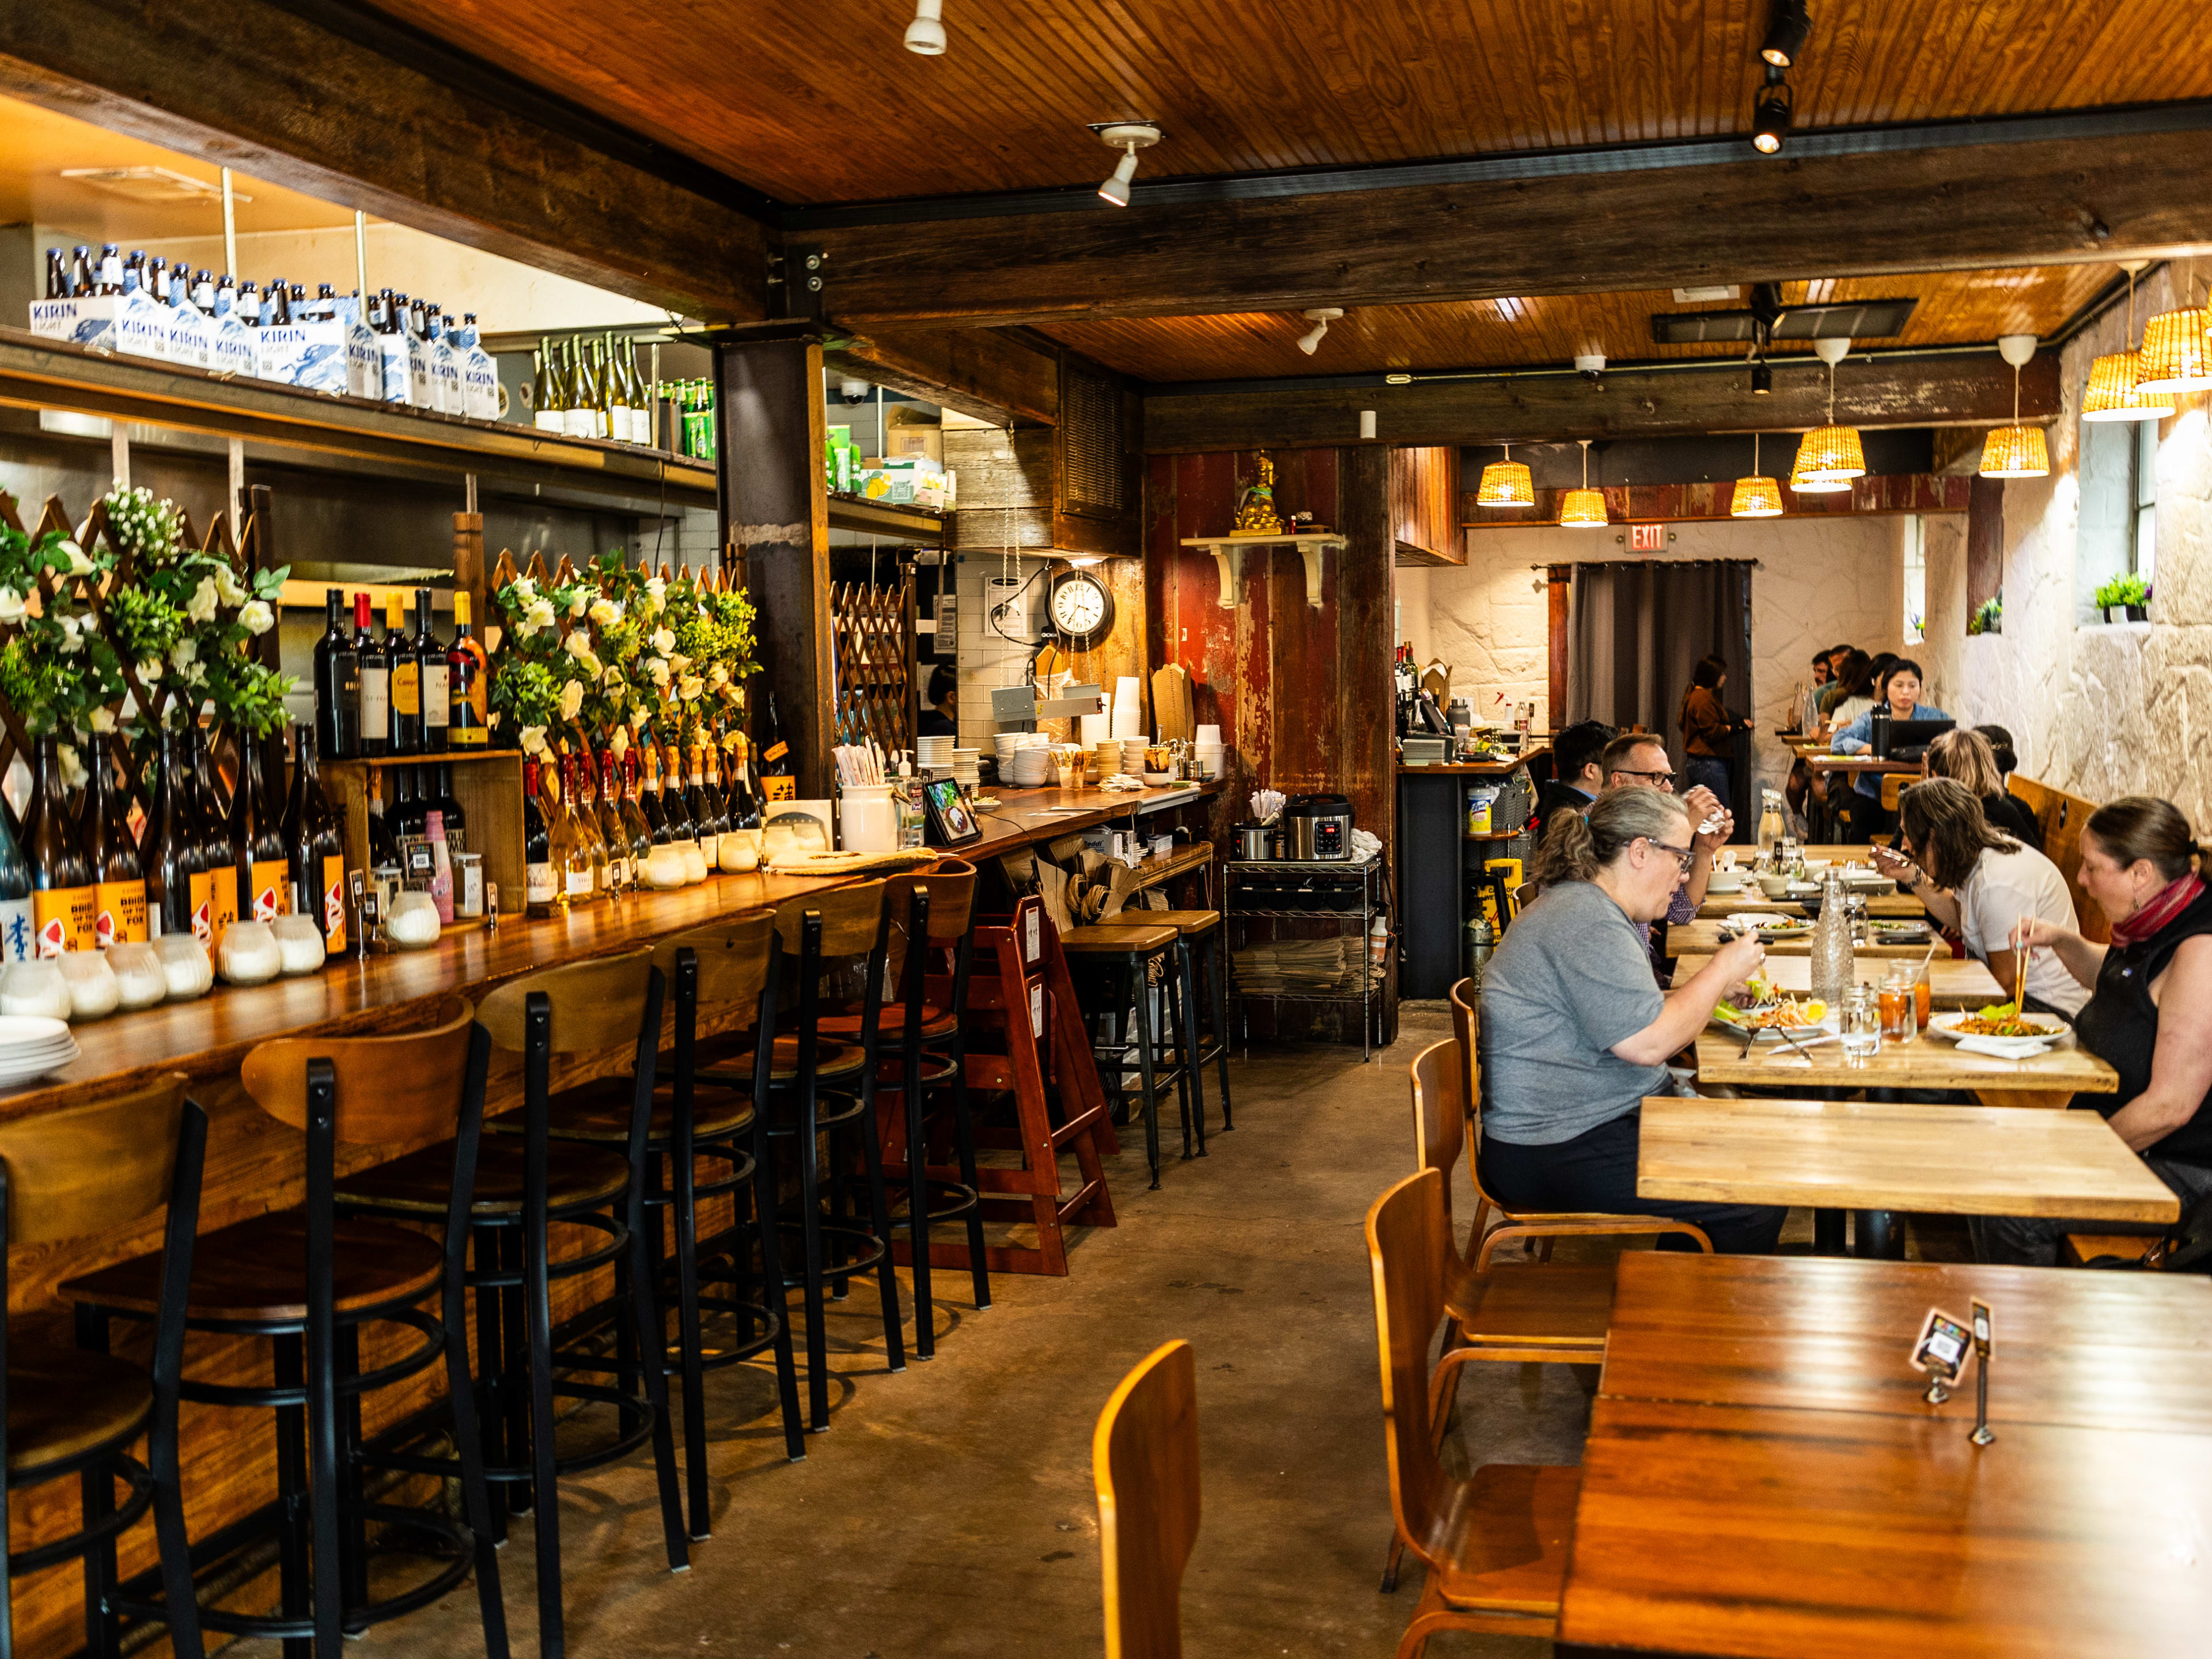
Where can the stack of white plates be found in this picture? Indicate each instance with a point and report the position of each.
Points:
(31, 1047)
(963, 766)
(1108, 751)
(935, 753)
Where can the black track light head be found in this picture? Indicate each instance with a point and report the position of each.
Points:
(1787, 27)
(1770, 122)
(1762, 379)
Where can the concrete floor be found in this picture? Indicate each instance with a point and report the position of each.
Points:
(948, 1510)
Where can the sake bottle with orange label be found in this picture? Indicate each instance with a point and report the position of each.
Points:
(218, 850)
(311, 837)
(168, 851)
(18, 928)
(118, 914)
(264, 864)
(63, 891)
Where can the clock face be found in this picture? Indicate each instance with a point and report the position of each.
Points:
(1081, 607)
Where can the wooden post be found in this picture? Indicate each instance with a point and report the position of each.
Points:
(775, 513)
(469, 565)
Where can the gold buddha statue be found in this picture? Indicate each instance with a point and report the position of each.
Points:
(1256, 503)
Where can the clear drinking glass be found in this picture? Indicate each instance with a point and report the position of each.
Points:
(1860, 1022)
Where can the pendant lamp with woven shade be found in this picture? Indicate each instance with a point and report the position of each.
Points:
(1804, 486)
(1583, 508)
(2173, 357)
(1831, 453)
(2016, 451)
(1758, 496)
(2115, 391)
(1506, 483)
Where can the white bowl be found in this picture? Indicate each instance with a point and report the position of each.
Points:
(35, 988)
(299, 943)
(185, 966)
(140, 979)
(93, 990)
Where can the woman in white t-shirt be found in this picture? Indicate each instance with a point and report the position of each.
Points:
(1980, 883)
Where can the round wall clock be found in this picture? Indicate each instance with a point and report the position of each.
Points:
(1082, 609)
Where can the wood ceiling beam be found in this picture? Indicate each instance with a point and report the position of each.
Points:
(248, 84)
(979, 371)
(1895, 390)
(2102, 194)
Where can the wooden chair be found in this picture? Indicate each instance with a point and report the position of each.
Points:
(1144, 1461)
(74, 1412)
(2063, 818)
(1893, 789)
(1495, 1542)
(310, 1280)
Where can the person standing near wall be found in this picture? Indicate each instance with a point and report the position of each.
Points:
(1708, 729)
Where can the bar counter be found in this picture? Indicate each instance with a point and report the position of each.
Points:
(255, 1164)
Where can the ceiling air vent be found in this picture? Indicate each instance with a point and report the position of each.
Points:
(1857, 319)
(1090, 443)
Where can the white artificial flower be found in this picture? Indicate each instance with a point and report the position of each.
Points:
(257, 617)
(689, 687)
(664, 640)
(103, 720)
(572, 699)
(79, 565)
(533, 741)
(577, 605)
(73, 772)
(620, 741)
(678, 661)
(197, 674)
(658, 589)
(11, 605)
(605, 612)
(537, 615)
(149, 672)
(181, 655)
(657, 671)
(717, 675)
(639, 716)
(201, 606)
(589, 662)
(613, 677)
(578, 645)
(227, 587)
(528, 589)
(71, 639)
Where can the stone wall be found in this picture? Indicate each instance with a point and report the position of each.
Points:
(1819, 581)
(2100, 710)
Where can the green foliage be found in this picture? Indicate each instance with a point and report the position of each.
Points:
(2129, 589)
(1988, 617)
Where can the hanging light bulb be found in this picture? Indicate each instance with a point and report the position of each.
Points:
(1758, 496)
(2016, 451)
(1831, 453)
(1583, 508)
(1506, 483)
(2115, 391)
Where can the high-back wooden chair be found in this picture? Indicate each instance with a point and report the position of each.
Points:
(2063, 818)
(1144, 1461)
(1495, 1541)
(65, 1175)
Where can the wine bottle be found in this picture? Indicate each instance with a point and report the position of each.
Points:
(587, 815)
(456, 818)
(338, 683)
(18, 927)
(744, 801)
(680, 826)
(779, 778)
(317, 851)
(220, 847)
(578, 881)
(406, 672)
(64, 893)
(168, 855)
(196, 826)
(635, 827)
(618, 402)
(620, 876)
(118, 913)
(264, 863)
(545, 391)
(649, 794)
(468, 684)
(375, 683)
(410, 806)
(715, 794)
(383, 844)
(542, 888)
(430, 657)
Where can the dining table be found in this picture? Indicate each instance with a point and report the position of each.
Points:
(1889, 905)
(1766, 1476)
(1953, 982)
(1703, 937)
(2048, 1080)
(1881, 1157)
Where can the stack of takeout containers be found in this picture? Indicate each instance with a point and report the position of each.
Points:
(1207, 749)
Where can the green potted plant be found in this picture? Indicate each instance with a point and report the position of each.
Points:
(2124, 599)
(1988, 617)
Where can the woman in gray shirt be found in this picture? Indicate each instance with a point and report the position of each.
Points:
(1575, 1033)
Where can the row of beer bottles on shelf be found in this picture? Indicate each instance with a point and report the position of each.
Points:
(85, 869)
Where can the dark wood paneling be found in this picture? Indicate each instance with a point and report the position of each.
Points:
(984, 375)
(1424, 506)
(1291, 83)
(251, 86)
(1956, 307)
(1559, 586)
(1962, 390)
(1918, 492)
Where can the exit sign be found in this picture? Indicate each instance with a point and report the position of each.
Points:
(1646, 538)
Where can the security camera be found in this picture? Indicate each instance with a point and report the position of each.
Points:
(1591, 367)
(853, 391)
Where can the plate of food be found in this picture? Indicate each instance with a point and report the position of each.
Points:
(1767, 924)
(2002, 1030)
(1897, 933)
(1768, 1013)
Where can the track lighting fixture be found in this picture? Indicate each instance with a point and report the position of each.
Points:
(1591, 367)
(925, 34)
(1310, 341)
(1770, 122)
(1787, 26)
(1128, 138)
(1762, 379)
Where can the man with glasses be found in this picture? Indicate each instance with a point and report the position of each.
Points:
(1637, 760)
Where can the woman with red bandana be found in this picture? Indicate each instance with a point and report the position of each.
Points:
(2149, 1013)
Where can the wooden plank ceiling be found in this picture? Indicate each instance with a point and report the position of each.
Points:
(1955, 309)
(821, 103)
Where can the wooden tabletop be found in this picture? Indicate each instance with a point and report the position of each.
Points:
(1750, 898)
(1763, 1478)
(1942, 1160)
(1702, 937)
(1953, 982)
(1854, 764)
(2050, 1079)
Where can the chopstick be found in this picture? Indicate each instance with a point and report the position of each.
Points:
(2019, 969)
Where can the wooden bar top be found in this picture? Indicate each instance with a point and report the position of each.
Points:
(208, 1036)
(1497, 769)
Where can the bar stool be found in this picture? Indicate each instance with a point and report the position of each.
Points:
(73, 1411)
(929, 914)
(1112, 967)
(840, 929)
(310, 1280)
(526, 1184)
(723, 970)
(1198, 956)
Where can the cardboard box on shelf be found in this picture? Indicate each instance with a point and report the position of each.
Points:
(111, 322)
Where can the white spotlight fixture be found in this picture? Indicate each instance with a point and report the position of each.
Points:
(1310, 341)
(925, 34)
(1128, 138)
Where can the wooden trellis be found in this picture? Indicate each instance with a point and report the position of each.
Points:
(243, 551)
(872, 642)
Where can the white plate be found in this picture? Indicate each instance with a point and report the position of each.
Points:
(1766, 1033)
(1945, 1025)
(24, 1029)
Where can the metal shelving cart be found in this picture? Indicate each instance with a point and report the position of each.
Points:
(1298, 937)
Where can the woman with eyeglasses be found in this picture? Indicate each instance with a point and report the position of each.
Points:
(1575, 1032)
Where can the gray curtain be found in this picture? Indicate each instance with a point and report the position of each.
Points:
(1636, 629)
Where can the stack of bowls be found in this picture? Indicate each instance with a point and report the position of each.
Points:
(934, 754)
(1108, 751)
(1026, 759)
(1133, 756)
